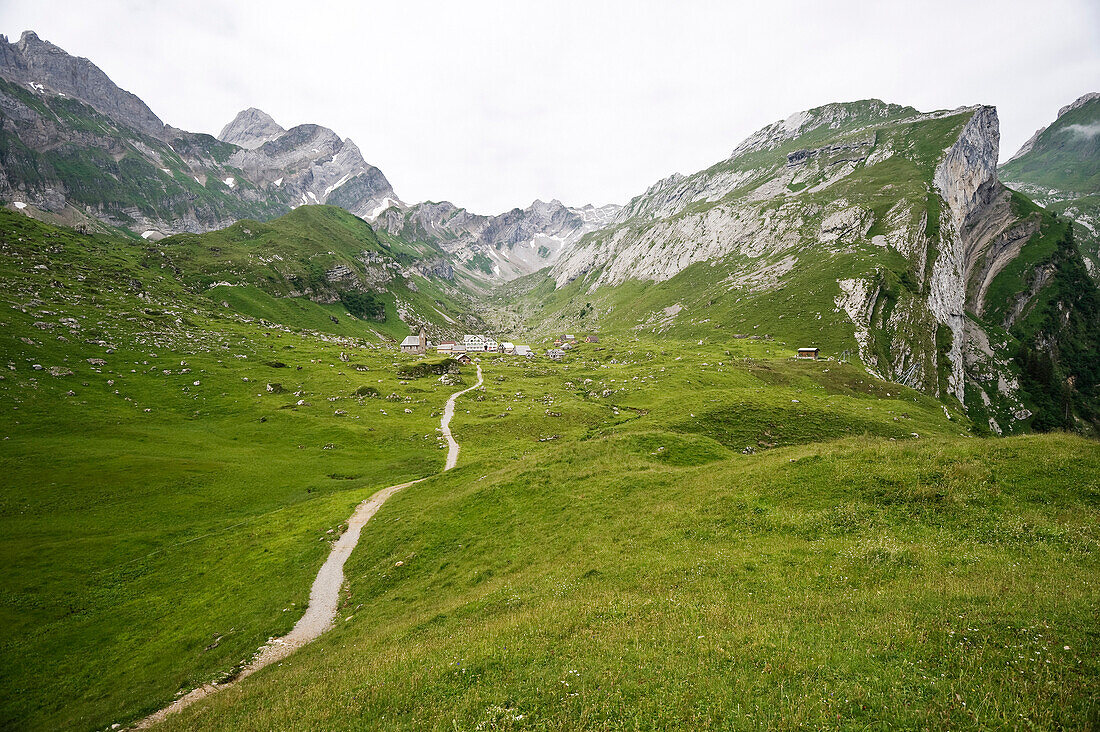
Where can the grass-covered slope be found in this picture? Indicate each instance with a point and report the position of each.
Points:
(172, 473)
(1065, 156)
(1061, 171)
(593, 564)
(316, 267)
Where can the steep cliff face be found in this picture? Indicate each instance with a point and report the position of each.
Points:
(966, 180)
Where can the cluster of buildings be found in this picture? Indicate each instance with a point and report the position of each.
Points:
(473, 343)
(482, 344)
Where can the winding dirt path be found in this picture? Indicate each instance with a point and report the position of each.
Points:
(445, 423)
(324, 596)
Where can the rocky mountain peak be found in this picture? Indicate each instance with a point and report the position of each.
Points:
(832, 116)
(251, 128)
(44, 68)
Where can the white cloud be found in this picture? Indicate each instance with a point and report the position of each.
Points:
(1084, 131)
(492, 104)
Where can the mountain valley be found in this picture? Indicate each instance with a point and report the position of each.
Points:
(679, 520)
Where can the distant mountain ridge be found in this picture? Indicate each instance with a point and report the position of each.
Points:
(77, 145)
(502, 247)
(43, 66)
(1059, 167)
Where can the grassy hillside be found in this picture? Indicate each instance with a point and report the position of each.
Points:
(1066, 155)
(163, 509)
(304, 268)
(591, 566)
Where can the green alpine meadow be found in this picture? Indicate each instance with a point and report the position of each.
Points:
(806, 439)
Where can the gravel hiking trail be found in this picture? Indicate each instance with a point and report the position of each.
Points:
(324, 596)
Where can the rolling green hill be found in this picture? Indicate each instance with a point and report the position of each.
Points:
(171, 468)
(317, 267)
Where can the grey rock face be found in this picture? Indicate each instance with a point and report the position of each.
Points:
(250, 129)
(313, 165)
(32, 62)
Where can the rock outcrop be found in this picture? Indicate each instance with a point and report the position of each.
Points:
(250, 128)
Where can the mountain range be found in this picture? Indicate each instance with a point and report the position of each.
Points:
(872, 229)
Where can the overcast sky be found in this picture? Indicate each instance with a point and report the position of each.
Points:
(493, 104)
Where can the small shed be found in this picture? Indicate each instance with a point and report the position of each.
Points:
(556, 354)
(524, 351)
(592, 339)
(808, 353)
(462, 357)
